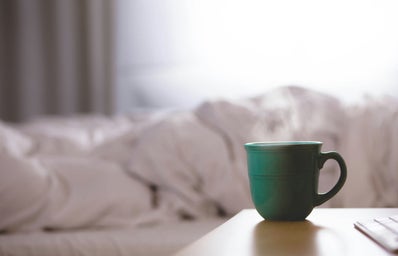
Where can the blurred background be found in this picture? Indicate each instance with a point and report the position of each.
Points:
(63, 57)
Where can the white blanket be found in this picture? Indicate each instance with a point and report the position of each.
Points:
(82, 172)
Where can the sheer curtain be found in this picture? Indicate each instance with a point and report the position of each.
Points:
(56, 57)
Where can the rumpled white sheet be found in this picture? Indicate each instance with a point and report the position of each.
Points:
(54, 174)
(83, 172)
(163, 239)
(198, 158)
(370, 147)
(68, 193)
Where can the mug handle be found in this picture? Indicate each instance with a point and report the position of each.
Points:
(323, 157)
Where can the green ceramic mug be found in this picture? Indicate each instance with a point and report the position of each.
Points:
(284, 177)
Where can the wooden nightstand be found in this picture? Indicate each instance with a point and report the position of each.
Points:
(325, 232)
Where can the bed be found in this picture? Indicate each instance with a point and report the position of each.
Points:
(149, 183)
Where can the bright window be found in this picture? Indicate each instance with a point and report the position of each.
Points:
(189, 50)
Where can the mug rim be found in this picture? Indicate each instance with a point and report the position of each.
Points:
(259, 145)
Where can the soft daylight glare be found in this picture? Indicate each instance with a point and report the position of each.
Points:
(334, 43)
(236, 48)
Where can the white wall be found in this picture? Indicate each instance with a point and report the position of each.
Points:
(176, 53)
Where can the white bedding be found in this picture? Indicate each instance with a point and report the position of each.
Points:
(154, 240)
(136, 170)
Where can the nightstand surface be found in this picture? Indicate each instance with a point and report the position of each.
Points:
(326, 231)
